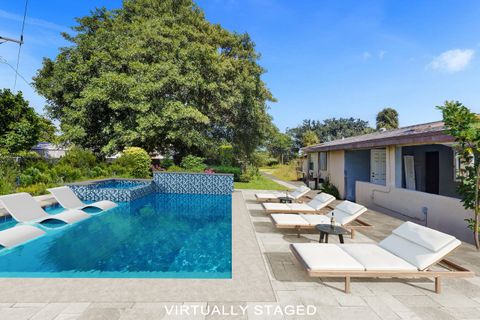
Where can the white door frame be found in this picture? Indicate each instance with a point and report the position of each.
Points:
(378, 166)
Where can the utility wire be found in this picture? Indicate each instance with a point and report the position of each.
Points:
(4, 61)
(20, 45)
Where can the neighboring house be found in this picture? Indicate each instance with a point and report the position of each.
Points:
(49, 150)
(408, 172)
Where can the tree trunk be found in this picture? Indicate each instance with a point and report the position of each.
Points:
(477, 208)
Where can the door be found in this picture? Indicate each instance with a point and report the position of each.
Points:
(378, 166)
(409, 168)
(432, 172)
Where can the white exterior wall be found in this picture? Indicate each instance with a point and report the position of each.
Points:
(335, 169)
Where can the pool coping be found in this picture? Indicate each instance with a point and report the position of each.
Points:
(250, 281)
(89, 182)
(186, 172)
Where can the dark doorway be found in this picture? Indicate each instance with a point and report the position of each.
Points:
(432, 172)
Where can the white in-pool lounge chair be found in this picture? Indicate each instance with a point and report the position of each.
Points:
(294, 195)
(23, 208)
(19, 234)
(319, 202)
(409, 252)
(69, 200)
(345, 214)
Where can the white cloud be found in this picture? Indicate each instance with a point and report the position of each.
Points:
(381, 54)
(32, 21)
(452, 60)
(366, 55)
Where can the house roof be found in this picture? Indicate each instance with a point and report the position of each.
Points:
(47, 146)
(433, 132)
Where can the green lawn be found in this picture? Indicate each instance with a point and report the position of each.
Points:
(260, 183)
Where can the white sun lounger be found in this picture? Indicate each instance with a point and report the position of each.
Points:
(345, 213)
(19, 234)
(409, 252)
(69, 200)
(294, 195)
(320, 201)
(23, 208)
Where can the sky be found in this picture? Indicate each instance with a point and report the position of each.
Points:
(323, 59)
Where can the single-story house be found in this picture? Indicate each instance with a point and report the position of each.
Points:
(49, 150)
(408, 172)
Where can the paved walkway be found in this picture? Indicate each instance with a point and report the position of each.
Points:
(288, 184)
(370, 298)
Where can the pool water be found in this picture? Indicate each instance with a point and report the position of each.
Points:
(157, 236)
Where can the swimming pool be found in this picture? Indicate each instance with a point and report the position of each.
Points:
(157, 236)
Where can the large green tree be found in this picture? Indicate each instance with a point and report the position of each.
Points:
(20, 126)
(279, 145)
(387, 118)
(158, 75)
(329, 129)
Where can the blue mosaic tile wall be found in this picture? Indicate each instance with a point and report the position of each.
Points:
(193, 183)
(119, 191)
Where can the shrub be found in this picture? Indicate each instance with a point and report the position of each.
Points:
(98, 171)
(251, 172)
(66, 173)
(6, 187)
(193, 163)
(175, 168)
(33, 175)
(166, 163)
(137, 161)
(79, 158)
(9, 171)
(225, 155)
(237, 172)
(36, 189)
(330, 188)
(117, 170)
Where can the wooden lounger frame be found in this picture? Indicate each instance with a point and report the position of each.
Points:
(360, 225)
(454, 271)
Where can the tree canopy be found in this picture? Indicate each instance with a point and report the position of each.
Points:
(329, 129)
(309, 138)
(20, 126)
(387, 118)
(156, 74)
(464, 126)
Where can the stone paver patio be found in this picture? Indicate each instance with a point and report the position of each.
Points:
(265, 274)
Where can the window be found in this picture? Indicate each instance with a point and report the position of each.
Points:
(459, 166)
(322, 161)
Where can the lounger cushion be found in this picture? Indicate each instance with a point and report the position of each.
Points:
(350, 207)
(321, 201)
(324, 197)
(267, 195)
(18, 235)
(347, 212)
(276, 207)
(375, 258)
(300, 207)
(431, 239)
(415, 254)
(287, 219)
(315, 219)
(341, 217)
(324, 256)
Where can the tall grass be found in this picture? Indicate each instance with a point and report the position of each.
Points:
(286, 172)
